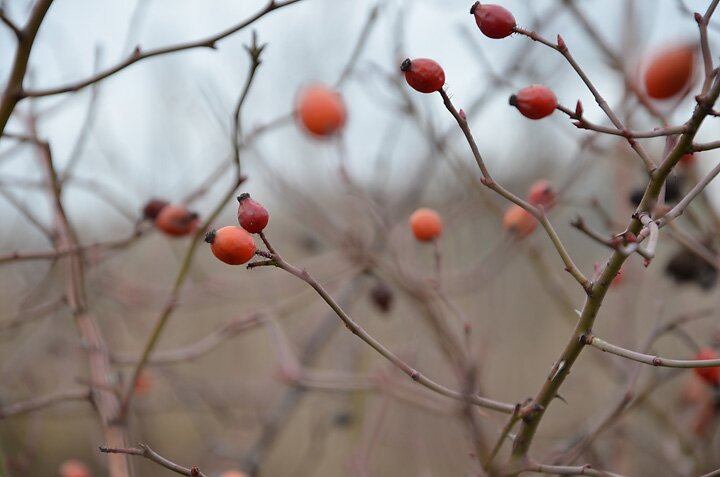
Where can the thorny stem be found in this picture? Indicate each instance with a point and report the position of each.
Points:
(563, 365)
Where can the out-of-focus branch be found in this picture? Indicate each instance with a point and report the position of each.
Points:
(42, 402)
(199, 348)
(361, 333)
(101, 376)
(144, 450)
(72, 249)
(254, 51)
(569, 470)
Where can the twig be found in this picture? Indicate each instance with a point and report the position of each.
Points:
(702, 21)
(569, 470)
(10, 24)
(139, 55)
(361, 333)
(704, 146)
(615, 59)
(254, 51)
(71, 249)
(562, 48)
(197, 349)
(582, 123)
(490, 183)
(580, 224)
(595, 342)
(144, 450)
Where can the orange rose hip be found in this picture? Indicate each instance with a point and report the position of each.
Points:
(321, 110)
(426, 224)
(232, 244)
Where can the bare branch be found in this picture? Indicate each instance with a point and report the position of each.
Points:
(42, 402)
(144, 450)
(602, 345)
(139, 55)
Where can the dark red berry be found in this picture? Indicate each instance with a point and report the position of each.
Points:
(423, 74)
(382, 296)
(493, 20)
(535, 101)
(152, 208)
(252, 216)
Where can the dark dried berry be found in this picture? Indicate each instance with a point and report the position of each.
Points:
(152, 208)
(382, 296)
(673, 191)
(686, 267)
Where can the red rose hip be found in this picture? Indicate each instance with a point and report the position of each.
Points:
(535, 101)
(252, 216)
(494, 21)
(423, 74)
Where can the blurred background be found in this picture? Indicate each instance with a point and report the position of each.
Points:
(254, 372)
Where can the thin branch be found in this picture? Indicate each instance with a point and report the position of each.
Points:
(616, 60)
(595, 342)
(579, 223)
(254, 51)
(488, 181)
(42, 402)
(582, 123)
(702, 21)
(359, 45)
(569, 470)
(10, 24)
(361, 333)
(197, 349)
(144, 450)
(139, 55)
(72, 249)
(562, 48)
(705, 146)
